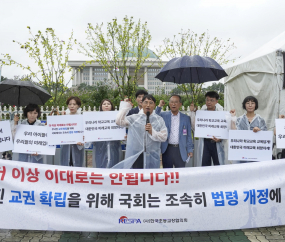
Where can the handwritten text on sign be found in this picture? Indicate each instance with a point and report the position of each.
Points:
(211, 123)
(31, 139)
(249, 146)
(65, 129)
(101, 126)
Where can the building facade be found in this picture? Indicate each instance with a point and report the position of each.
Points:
(93, 73)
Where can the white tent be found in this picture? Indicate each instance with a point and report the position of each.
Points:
(259, 75)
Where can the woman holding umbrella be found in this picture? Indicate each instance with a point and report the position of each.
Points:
(106, 153)
(73, 154)
(31, 113)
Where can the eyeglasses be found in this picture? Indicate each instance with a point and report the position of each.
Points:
(210, 100)
(148, 103)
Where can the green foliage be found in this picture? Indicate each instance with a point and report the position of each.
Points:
(190, 43)
(121, 46)
(3, 78)
(51, 56)
(218, 87)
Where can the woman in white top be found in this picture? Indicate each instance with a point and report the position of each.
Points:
(72, 155)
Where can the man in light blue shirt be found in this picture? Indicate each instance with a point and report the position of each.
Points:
(179, 146)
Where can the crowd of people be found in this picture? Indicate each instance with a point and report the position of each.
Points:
(150, 133)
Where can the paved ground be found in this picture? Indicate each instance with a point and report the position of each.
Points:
(273, 234)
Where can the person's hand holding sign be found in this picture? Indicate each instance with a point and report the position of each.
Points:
(215, 139)
(256, 129)
(233, 112)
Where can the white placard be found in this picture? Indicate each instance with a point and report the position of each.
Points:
(65, 129)
(31, 139)
(101, 126)
(144, 200)
(211, 123)
(280, 133)
(6, 141)
(246, 145)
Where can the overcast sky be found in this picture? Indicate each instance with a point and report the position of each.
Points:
(249, 23)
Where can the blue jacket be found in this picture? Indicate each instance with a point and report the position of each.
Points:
(133, 111)
(185, 141)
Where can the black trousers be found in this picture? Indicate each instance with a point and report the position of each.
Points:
(139, 162)
(172, 157)
(210, 151)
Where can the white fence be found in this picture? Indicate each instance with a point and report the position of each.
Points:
(6, 113)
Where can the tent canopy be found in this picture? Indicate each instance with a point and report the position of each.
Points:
(261, 60)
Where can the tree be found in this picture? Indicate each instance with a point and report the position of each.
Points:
(123, 45)
(218, 87)
(189, 43)
(51, 56)
(3, 78)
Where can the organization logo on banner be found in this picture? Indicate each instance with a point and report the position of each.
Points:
(126, 220)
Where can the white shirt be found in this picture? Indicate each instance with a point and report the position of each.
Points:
(174, 131)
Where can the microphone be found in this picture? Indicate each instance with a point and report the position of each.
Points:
(147, 117)
(147, 121)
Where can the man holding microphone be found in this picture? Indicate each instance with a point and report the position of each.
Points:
(146, 132)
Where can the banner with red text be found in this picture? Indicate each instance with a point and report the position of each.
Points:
(47, 197)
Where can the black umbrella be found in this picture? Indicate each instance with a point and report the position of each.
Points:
(191, 69)
(21, 93)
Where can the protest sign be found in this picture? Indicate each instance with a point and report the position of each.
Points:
(65, 129)
(280, 133)
(6, 141)
(246, 145)
(147, 200)
(211, 123)
(31, 139)
(101, 126)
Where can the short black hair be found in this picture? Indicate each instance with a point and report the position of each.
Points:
(140, 92)
(176, 95)
(250, 98)
(101, 104)
(148, 97)
(31, 107)
(212, 94)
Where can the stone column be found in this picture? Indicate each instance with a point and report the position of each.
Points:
(145, 78)
(74, 76)
(90, 75)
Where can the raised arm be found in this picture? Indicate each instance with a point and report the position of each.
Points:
(121, 118)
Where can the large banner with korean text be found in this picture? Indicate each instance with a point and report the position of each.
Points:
(45, 197)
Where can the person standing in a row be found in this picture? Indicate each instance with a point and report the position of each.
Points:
(209, 150)
(72, 154)
(31, 113)
(249, 120)
(179, 146)
(139, 96)
(106, 153)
